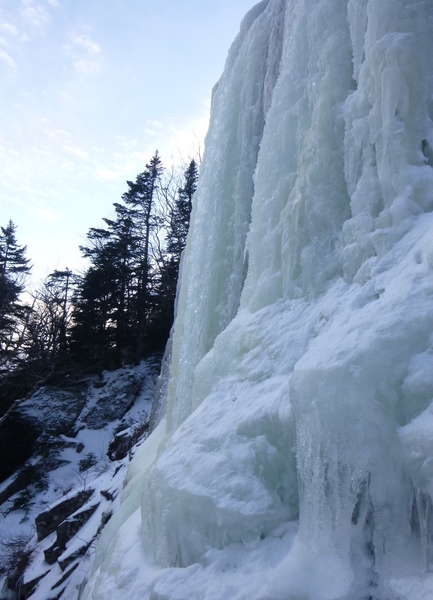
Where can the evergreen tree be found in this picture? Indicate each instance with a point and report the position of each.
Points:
(142, 197)
(122, 245)
(119, 310)
(59, 286)
(123, 303)
(14, 268)
(111, 306)
(92, 338)
(177, 232)
(102, 302)
(180, 217)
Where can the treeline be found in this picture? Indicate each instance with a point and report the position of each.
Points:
(119, 310)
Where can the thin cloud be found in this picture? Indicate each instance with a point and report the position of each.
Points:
(68, 166)
(8, 29)
(108, 174)
(83, 50)
(154, 124)
(35, 13)
(9, 34)
(7, 58)
(75, 151)
(84, 41)
(87, 67)
(47, 215)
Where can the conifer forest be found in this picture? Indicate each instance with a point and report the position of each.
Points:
(118, 311)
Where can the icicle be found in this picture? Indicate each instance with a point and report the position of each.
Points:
(424, 506)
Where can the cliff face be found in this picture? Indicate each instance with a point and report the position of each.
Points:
(294, 460)
(80, 438)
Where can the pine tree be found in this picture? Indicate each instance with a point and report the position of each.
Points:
(180, 217)
(141, 197)
(177, 232)
(14, 268)
(123, 303)
(104, 297)
(95, 302)
(112, 294)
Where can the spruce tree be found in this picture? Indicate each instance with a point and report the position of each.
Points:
(180, 217)
(103, 322)
(177, 232)
(14, 268)
(123, 303)
(142, 197)
(96, 301)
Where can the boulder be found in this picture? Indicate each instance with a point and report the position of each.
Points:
(118, 397)
(65, 532)
(122, 443)
(49, 520)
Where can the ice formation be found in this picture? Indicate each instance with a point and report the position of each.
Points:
(295, 457)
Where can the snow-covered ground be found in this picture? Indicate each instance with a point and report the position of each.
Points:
(70, 466)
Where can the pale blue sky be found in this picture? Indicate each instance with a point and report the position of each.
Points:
(88, 90)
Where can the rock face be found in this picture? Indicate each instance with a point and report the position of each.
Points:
(50, 410)
(124, 441)
(110, 400)
(92, 403)
(23, 590)
(54, 410)
(69, 487)
(48, 521)
(69, 527)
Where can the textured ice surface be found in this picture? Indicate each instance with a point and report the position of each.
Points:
(297, 461)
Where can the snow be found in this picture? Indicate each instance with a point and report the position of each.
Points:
(126, 393)
(295, 460)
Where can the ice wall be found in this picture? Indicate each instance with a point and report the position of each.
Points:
(298, 456)
(215, 264)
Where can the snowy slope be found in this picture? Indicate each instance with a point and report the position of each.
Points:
(55, 505)
(295, 458)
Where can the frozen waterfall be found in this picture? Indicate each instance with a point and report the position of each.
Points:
(293, 459)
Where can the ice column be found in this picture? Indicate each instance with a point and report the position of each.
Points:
(215, 263)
